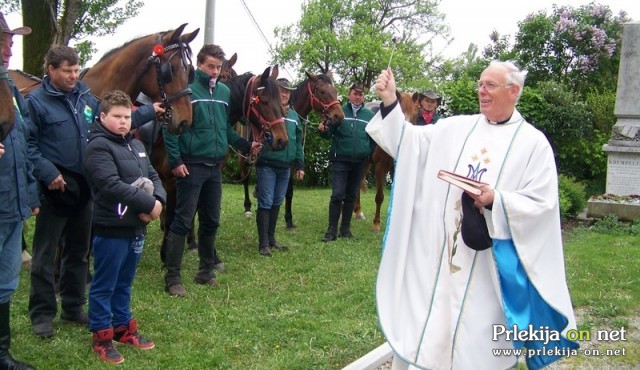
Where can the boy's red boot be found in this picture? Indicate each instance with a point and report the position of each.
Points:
(129, 334)
(103, 346)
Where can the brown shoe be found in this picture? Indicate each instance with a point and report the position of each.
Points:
(211, 282)
(177, 290)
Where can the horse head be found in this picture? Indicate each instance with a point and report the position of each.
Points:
(318, 93)
(7, 114)
(261, 107)
(158, 65)
(169, 79)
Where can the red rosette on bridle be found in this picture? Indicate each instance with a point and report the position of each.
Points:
(158, 50)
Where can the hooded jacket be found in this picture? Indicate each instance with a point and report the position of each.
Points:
(111, 164)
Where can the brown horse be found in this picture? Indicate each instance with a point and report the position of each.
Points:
(24, 81)
(158, 65)
(382, 163)
(316, 93)
(7, 114)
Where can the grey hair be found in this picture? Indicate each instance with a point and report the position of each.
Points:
(514, 75)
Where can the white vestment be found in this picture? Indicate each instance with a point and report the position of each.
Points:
(438, 300)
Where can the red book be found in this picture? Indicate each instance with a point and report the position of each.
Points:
(464, 183)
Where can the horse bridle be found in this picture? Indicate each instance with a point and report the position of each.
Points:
(264, 135)
(164, 75)
(325, 107)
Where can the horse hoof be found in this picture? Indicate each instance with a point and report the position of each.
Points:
(376, 228)
(248, 214)
(360, 216)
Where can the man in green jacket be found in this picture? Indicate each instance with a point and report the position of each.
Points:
(351, 146)
(195, 158)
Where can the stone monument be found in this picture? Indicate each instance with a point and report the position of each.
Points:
(623, 149)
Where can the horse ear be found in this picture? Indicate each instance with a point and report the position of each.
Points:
(189, 36)
(175, 34)
(265, 74)
(232, 61)
(274, 72)
(329, 74)
(313, 78)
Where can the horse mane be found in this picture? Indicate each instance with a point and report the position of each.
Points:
(126, 44)
(27, 75)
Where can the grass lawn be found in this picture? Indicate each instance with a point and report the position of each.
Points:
(311, 307)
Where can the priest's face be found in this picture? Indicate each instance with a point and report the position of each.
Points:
(496, 94)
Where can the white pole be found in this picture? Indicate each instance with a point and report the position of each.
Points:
(209, 21)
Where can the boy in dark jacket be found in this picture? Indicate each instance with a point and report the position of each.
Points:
(127, 195)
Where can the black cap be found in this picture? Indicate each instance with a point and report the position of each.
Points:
(357, 86)
(76, 194)
(475, 233)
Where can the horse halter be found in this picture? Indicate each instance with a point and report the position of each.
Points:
(325, 107)
(165, 76)
(264, 135)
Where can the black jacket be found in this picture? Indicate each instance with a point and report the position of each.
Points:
(111, 164)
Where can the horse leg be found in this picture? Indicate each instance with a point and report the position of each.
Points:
(288, 200)
(357, 207)
(380, 183)
(168, 214)
(245, 174)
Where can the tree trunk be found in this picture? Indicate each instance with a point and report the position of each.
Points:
(41, 17)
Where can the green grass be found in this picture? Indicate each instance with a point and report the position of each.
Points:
(311, 307)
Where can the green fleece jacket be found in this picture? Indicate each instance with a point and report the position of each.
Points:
(207, 140)
(293, 151)
(350, 142)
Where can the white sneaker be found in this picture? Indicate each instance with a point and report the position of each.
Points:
(26, 259)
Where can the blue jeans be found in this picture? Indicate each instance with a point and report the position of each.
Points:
(114, 265)
(272, 185)
(10, 258)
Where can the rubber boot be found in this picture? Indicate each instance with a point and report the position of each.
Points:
(262, 222)
(175, 251)
(334, 215)
(274, 212)
(207, 254)
(288, 201)
(6, 361)
(345, 224)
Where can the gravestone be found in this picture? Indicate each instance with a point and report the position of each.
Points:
(623, 149)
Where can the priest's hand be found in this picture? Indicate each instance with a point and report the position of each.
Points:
(386, 87)
(484, 199)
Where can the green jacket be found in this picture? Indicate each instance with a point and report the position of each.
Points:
(350, 142)
(293, 151)
(209, 137)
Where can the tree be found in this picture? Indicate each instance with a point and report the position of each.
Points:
(579, 47)
(60, 22)
(353, 38)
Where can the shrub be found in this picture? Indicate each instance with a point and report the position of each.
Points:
(573, 197)
(608, 224)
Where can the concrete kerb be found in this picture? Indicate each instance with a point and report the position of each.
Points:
(373, 359)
